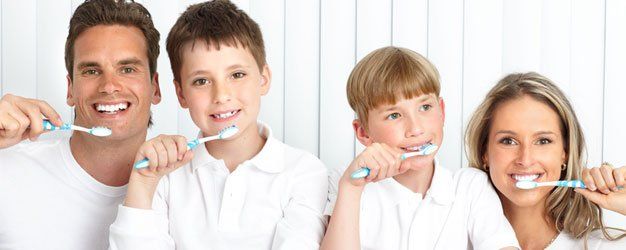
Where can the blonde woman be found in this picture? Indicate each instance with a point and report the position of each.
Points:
(525, 129)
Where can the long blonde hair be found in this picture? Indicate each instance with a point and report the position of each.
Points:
(570, 211)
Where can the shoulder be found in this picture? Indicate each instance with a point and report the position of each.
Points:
(295, 159)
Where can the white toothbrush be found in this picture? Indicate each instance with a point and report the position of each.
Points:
(425, 149)
(97, 131)
(534, 184)
(223, 134)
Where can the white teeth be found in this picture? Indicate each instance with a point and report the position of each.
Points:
(528, 177)
(225, 115)
(415, 148)
(111, 108)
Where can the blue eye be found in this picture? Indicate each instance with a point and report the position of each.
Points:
(393, 116)
(426, 107)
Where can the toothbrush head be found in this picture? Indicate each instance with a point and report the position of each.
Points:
(228, 131)
(526, 184)
(425, 149)
(100, 131)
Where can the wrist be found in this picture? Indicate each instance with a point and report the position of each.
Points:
(141, 190)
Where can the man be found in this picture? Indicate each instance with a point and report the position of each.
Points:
(64, 193)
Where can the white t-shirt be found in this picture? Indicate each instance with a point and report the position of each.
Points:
(595, 241)
(49, 202)
(273, 201)
(459, 211)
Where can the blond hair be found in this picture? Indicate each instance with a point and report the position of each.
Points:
(569, 210)
(386, 74)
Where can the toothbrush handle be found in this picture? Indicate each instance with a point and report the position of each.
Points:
(360, 173)
(572, 184)
(47, 125)
(145, 162)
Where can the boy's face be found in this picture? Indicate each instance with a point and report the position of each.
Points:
(221, 87)
(111, 83)
(406, 125)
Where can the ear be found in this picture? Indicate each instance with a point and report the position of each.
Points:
(361, 133)
(442, 105)
(156, 95)
(69, 99)
(266, 79)
(179, 93)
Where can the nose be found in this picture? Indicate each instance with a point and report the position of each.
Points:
(221, 93)
(414, 127)
(109, 84)
(525, 156)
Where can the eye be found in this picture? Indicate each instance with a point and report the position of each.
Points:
(544, 141)
(90, 72)
(238, 75)
(393, 116)
(200, 82)
(426, 107)
(127, 70)
(507, 141)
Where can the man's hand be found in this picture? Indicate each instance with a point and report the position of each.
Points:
(22, 118)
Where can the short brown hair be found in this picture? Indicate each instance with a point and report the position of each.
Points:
(111, 12)
(386, 74)
(217, 22)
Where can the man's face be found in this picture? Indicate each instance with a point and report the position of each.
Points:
(111, 83)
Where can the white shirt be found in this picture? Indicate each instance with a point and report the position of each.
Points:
(595, 241)
(459, 211)
(273, 201)
(49, 202)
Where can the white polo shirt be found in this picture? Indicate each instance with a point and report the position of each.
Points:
(459, 211)
(273, 201)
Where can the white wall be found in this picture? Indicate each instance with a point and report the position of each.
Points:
(312, 45)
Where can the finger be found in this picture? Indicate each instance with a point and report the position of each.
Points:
(588, 180)
(9, 127)
(181, 144)
(35, 122)
(161, 154)
(48, 112)
(618, 173)
(22, 124)
(607, 174)
(151, 154)
(368, 162)
(599, 180)
(187, 156)
(383, 166)
(171, 150)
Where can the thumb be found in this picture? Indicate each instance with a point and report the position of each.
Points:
(595, 197)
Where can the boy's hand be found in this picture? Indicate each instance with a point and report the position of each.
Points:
(22, 118)
(165, 154)
(605, 187)
(382, 160)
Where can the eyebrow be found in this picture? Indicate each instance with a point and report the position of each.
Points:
(128, 61)
(536, 133)
(87, 65)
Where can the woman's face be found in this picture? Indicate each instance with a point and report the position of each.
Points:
(525, 143)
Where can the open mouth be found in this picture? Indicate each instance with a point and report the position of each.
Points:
(225, 115)
(111, 109)
(525, 177)
(415, 148)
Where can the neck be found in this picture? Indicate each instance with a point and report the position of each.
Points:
(239, 149)
(418, 180)
(107, 161)
(532, 225)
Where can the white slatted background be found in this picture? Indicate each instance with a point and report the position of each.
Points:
(312, 46)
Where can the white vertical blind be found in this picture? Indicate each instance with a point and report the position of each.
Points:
(312, 45)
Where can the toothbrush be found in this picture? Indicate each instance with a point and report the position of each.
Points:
(425, 149)
(97, 131)
(534, 184)
(222, 134)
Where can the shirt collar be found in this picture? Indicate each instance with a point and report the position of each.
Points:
(441, 188)
(270, 159)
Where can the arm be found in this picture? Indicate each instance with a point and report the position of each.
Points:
(603, 187)
(22, 118)
(303, 223)
(488, 227)
(142, 222)
(343, 229)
